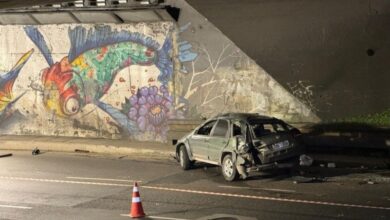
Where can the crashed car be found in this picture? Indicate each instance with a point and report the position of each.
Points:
(241, 143)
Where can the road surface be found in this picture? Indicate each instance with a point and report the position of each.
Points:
(83, 186)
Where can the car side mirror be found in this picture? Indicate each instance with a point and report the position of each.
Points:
(295, 132)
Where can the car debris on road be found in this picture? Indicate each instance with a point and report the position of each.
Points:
(35, 151)
(305, 160)
(5, 155)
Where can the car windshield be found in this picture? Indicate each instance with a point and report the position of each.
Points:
(261, 128)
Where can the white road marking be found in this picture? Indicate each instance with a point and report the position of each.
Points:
(265, 189)
(103, 179)
(65, 181)
(15, 207)
(267, 198)
(157, 217)
(243, 196)
(168, 218)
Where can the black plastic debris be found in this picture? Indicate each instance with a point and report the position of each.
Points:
(301, 179)
(5, 155)
(36, 151)
(305, 160)
(81, 151)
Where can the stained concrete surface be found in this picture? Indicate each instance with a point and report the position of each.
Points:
(333, 54)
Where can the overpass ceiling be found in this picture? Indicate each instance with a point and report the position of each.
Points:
(92, 17)
(55, 13)
(27, 3)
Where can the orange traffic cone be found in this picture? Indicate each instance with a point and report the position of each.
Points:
(136, 206)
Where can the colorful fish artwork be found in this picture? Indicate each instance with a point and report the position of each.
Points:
(7, 80)
(94, 59)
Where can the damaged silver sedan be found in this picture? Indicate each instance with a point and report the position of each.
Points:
(240, 143)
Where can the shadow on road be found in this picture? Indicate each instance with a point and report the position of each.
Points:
(348, 139)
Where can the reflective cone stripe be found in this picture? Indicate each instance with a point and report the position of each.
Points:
(136, 206)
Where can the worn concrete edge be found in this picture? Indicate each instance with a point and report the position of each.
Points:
(71, 147)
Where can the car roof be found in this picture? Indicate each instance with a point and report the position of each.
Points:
(244, 116)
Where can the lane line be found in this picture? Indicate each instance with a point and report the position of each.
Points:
(65, 181)
(267, 198)
(243, 196)
(265, 189)
(168, 218)
(15, 207)
(157, 217)
(103, 179)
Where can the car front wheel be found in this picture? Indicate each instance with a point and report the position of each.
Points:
(184, 160)
(229, 170)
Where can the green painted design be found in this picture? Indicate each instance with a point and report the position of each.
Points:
(381, 119)
(99, 66)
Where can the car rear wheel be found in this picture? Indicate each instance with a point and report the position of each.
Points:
(184, 160)
(229, 170)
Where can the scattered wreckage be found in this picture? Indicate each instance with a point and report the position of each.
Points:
(241, 143)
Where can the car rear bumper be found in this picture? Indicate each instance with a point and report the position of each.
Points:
(270, 156)
(271, 166)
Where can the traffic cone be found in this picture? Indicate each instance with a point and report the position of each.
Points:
(136, 206)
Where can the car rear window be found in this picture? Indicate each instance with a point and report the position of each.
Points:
(267, 128)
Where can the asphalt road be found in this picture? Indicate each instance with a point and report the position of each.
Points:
(82, 186)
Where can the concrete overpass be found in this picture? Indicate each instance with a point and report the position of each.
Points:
(302, 61)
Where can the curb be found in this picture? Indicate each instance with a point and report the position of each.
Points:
(82, 147)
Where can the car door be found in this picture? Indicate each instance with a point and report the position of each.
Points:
(218, 140)
(199, 141)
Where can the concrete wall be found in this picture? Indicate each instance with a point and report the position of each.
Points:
(333, 55)
(129, 80)
(216, 76)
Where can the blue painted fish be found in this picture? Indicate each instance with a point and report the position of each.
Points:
(7, 81)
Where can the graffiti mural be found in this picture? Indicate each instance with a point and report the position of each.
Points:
(94, 59)
(7, 80)
(101, 80)
(129, 80)
(150, 108)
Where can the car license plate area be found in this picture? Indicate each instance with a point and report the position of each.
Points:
(280, 145)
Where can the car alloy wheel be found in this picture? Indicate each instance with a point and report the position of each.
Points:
(229, 170)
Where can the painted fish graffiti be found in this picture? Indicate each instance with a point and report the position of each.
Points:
(94, 59)
(7, 81)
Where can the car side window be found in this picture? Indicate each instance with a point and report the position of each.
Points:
(221, 129)
(206, 129)
(258, 129)
(279, 128)
(236, 129)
